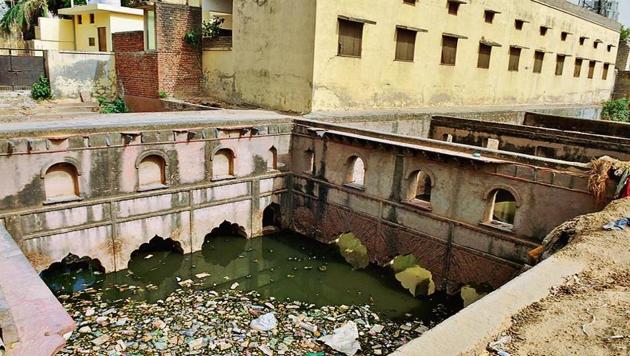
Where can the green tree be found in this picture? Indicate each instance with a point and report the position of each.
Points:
(625, 33)
(23, 15)
(616, 110)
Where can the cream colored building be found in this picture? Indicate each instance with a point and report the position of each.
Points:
(90, 28)
(305, 55)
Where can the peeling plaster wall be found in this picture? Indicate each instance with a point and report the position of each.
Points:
(450, 238)
(271, 61)
(377, 81)
(112, 218)
(73, 72)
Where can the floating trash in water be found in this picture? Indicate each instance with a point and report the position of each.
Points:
(147, 257)
(292, 328)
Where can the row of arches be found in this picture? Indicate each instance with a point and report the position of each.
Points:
(500, 211)
(75, 273)
(61, 179)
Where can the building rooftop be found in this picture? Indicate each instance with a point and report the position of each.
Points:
(81, 9)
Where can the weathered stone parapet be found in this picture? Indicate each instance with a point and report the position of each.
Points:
(32, 320)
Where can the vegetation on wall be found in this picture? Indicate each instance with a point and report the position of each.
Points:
(616, 110)
(625, 33)
(162, 94)
(212, 28)
(115, 106)
(192, 38)
(41, 89)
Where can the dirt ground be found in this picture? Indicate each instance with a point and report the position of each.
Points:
(590, 313)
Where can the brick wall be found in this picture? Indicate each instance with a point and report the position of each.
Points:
(179, 63)
(174, 67)
(128, 41)
(137, 70)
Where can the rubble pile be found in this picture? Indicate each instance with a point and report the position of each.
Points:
(231, 322)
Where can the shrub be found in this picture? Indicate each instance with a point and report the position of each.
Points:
(162, 94)
(212, 28)
(192, 38)
(115, 106)
(41, 89)
(616, 110)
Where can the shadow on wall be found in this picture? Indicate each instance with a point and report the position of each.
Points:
(226, 230)
(272, 219)
(73, 273)
(162, 256)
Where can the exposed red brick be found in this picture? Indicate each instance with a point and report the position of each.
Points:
(174, 67)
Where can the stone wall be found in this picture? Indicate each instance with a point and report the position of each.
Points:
(71, 73)
(623, 56)
(622, 85)
(449, 234)
(596, 127)
(112, 215)
(573, 145)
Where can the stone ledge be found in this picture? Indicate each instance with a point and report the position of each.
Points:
(488, 316)
(38, 320)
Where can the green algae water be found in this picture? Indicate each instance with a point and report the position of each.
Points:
(284, 266)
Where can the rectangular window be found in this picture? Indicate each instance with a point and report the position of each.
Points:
(564, 35)
(543, 30)
(149, 30)
(591, 69)
(605, 72)
(79, 19)
(515, 57)
(453, 7)
(409, 2)
(91, 18)
(488, 16)
(485, 53)
(91, 41)
(610, 47)
(595, 44)
(578, 67)
(582, 40)
(560, 64)
(518, 24)
(405, 44)
(449, 50)
(539, 57)
(350, 38)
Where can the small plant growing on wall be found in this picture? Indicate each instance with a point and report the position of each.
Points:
(616, 110)
(212, 28)
(115, 106)
(41, 89)
(192, 38)
(162, 94)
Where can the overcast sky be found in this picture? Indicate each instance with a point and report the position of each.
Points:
(624, 10)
